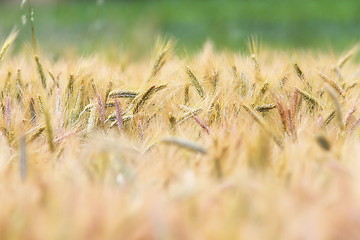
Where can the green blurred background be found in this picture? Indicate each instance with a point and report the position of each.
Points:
(92, 25)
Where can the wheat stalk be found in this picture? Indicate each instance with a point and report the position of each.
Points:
(123, 94)
(262, 124)
(70, 90)
(189, 114)
(7, 44)
(101, 107)
(201, 124)
(161, 59)
(32, 111)
(347, 56)
(282, 112)
(141, 99)
(75, 113)
(338, 111)
(23, 159)
(92, 120)
(350, 117)
(40, 71)
(186, 95)
(184, 143)
(48, 128)
(299, 72)
(215, 80)
(19, 86)
(258, 74)
(265, 107)
(333, 84)
(125, 119)
(329, 118)
(310, 99)
(39, 131)
(195, 82)
(108, 90)
(262, 91)
(119, 117)
(8, 112)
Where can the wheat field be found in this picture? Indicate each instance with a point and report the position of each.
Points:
(208, 145)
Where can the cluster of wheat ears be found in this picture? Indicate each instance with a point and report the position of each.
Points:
(213, 145)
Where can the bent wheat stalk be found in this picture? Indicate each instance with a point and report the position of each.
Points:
(262, 124)
(338, 111)
(7, 44)
(310, 99)
(123, 94)
(184, 143)
(333, 84)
